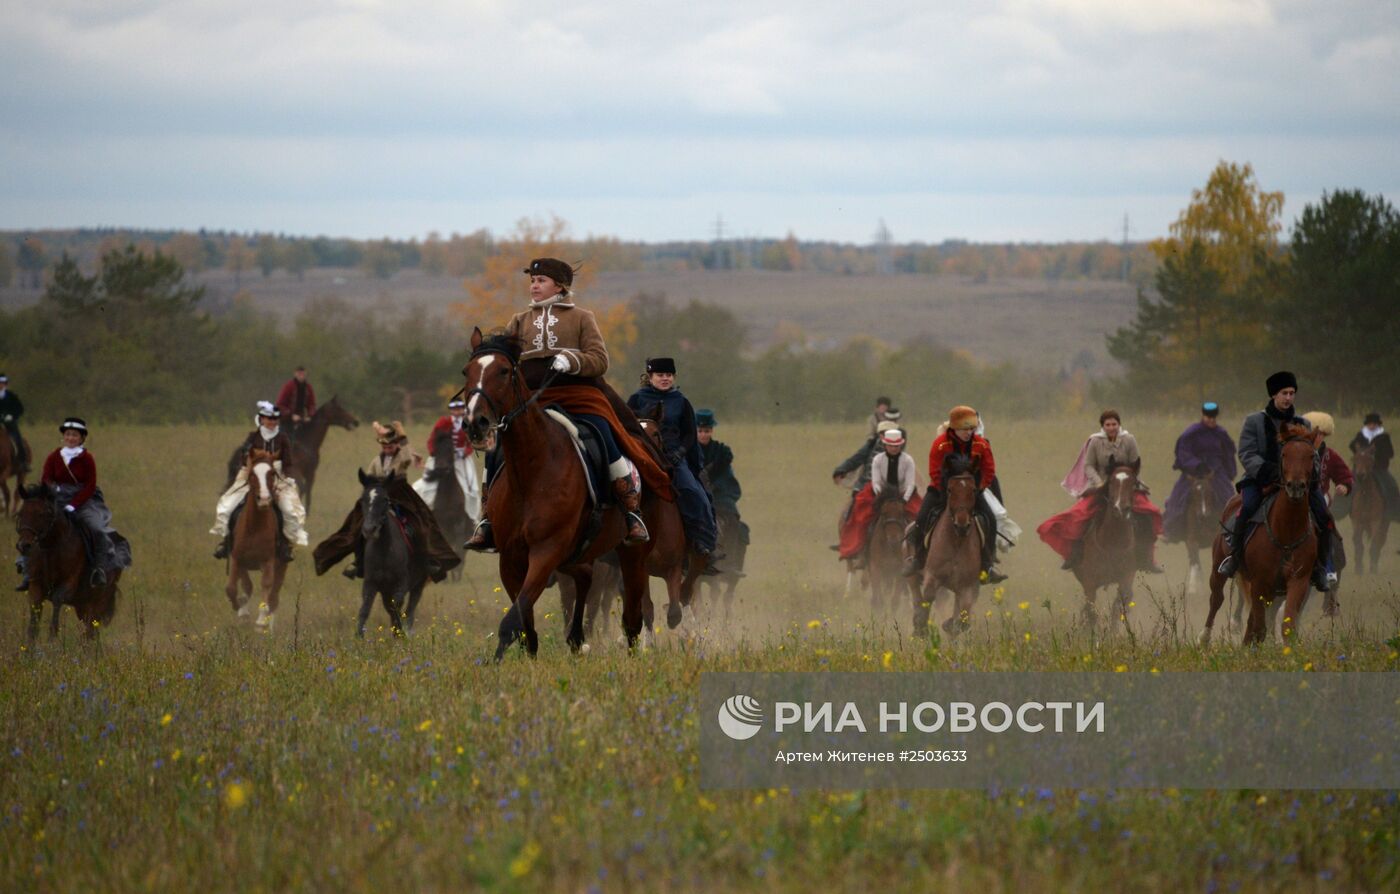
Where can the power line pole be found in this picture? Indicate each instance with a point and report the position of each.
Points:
(722, 260)
(1125, 247)
(884, 263)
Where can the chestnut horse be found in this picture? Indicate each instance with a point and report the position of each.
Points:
(1202, 524)
(306, 447)
(255, 545)
(1280, 560)
(58, 565)
(10, 468)
(538, 503)
(671, 557)
(884, 551)
(954, 559)
(1369, 518)
(1110, 546)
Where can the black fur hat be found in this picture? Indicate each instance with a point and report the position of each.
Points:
(554, 268)
(1281, 380)
(661, 365)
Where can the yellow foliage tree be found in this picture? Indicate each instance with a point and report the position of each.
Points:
(1236, 221)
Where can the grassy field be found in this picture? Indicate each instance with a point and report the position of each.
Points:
(189, 752)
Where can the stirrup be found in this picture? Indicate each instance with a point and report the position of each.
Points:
(23, 585)
(1229, 566)
(481, 539)
(994, 576)
(632, 536)
(98, 578)
(221, 551)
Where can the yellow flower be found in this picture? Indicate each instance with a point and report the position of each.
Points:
(235, 795)
(813, 624)
(1028, 636)
(887, 659)
(165, 721)
(998, 594)
(1023, 606)
(1121, 669)
(525, 860)
(425, 726)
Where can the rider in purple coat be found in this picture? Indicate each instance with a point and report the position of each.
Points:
(1203, 447)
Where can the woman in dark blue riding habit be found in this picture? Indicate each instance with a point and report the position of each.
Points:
(681, 447)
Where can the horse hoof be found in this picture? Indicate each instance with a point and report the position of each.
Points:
(673, 617)
(585, 649)
(1205, 637)
(243, 612)
(264, 621)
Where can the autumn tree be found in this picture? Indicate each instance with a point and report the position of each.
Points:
(237, 258)
(298, 257)
(267, 254)
(33, 258)
(188, 250)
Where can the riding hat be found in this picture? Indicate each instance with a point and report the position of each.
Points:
(1281, 380)
(4, 379)
(887, 425)
(1322, 422)
(892, 415)
(1372, 417)
(393, 433)
(893, 437)
(964, 418)
(1210, 408)
(661, 365)
(458, 404)
(554, 268)
(269, 409)
(705, 418)
(74, 423)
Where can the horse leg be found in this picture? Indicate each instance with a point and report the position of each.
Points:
(519, 620)
(393, 600)
(1124, 601)
(674, 600)
(582, 576)
(921, 608)
(1193, 576)
(366, 601)
(415, 593)
(60, 598)
(1358, 541)
(231, 588)
(1378, 538)
(36, 612)
(634, 593)
(1293, 607)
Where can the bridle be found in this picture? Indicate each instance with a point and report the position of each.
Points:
(41, 535)
(962, 517)
(503, 420)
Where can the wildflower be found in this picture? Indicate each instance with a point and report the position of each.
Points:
(813, 624)
(887, 660)
(1023, 606)
(525, 860)
(425, 726)
(235, 795)
(1121, 669)
(165, 721)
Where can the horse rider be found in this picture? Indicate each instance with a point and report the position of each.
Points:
(882, 404)
(892, 475)
(681, 448)
(564, 348)
(959, 439)
(393, 459)
(1204, 449)
(1373, 434)
(72, 474)
(11, 408)
(1333, 471)
(1009, 532)
(297, 401)
(1260, 454)
(859, 462)
(268, 436)
(1111, 446)
(717, 460)
(450, 428)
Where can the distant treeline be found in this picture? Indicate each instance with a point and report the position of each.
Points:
(26, 258)
(127, 339)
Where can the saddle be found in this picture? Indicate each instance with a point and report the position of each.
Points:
(977, 517)
(238, 510)
(588, 444)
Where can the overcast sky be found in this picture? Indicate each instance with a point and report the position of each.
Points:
(988, 120)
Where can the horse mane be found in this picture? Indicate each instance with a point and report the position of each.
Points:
(1294, 428)
(500, 342)
(958, 464)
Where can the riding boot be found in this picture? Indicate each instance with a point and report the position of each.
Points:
(989, 559)
(631, 500)
(481, 540)
(1076, 552)
(1323, 577)
(1146, 539)
(1231, 564)
(221, 551)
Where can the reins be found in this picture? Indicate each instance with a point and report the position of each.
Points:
(503, 420)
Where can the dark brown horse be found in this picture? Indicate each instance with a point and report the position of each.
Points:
(1369, 518)
(538, 503)
(449, 502)
(671, 559)
(1279, 559)
(10, 468)
(885, 555)
(954, 560)
(1110, 547)
(1202, 524)
(255, 545)
(306, 447)
(58, 565)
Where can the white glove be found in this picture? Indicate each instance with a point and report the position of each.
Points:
(9, 417)
(70, 508)
(561, 363)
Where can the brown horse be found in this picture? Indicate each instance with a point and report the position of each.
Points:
(58, 565)
(1280, 561)
(255, 545)
(671, 559)
(954, 560)
(1202, 524)
(1369, 518)
(885, 555)
(538, 503)
(306, 447)
(1110, 547)
(10, 468)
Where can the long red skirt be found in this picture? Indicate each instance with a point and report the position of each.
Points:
(856, 529)
(1062, 530)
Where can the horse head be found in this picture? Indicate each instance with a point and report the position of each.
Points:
(1202, 500)
(493, 386)
(1122, 488)
(38, 513)
(260, 472)
(374, 504)
(1363, 462)
(651, 424)
(1296, 458)
(334, 414)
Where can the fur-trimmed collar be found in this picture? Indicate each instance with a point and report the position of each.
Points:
(552, 301)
